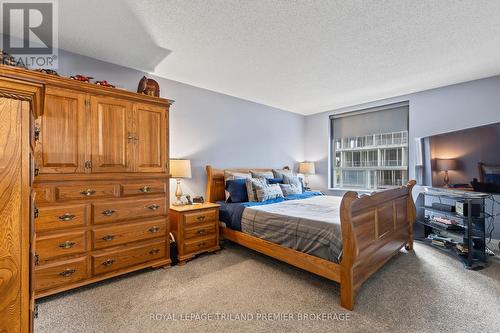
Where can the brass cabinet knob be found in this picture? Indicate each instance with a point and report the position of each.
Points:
(108, 262)
(202, 244)
(108, 212)
(66, 217)
(145, 189)
(154, 251)
(154, 229)
(108, 238)
(88, 192)
(201, 231)
(67, 245)
(154, 207)
(201, 218)
(68, 272)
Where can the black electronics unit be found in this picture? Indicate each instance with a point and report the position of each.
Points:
(462, 208)
(443, 207)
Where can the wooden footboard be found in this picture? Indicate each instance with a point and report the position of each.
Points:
(374, 228)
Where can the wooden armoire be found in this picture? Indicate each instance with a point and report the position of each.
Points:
(99, 160)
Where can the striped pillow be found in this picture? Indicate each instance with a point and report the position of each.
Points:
(252, 184)
(262, 174)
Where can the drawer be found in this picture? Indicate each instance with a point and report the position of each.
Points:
(199, 244)
(202, 230)
(76, 192)
(60, 217)
(199, 217)
(143, 188)
(60, 245)
(128, 209)
(114, 260)
(110, 236)
(59, 274)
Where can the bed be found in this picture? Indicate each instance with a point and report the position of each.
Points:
(358, 236)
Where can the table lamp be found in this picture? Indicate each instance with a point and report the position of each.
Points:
(307, 168)
(179, 169)
(446, 165)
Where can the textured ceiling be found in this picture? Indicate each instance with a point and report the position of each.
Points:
(300, 56)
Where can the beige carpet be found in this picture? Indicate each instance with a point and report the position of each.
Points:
(420, 291)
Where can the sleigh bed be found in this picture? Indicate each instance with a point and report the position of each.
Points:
(373, 228)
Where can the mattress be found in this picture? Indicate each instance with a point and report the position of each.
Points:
(309, 225)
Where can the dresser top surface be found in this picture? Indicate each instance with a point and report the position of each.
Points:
(193, 207)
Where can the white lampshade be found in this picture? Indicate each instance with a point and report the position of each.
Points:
(180, 168)
(307, 168)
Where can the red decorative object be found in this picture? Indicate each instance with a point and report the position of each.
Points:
(148, 87)
(104, 83)
(81, 78)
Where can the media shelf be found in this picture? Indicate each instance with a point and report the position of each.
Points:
(464, 236)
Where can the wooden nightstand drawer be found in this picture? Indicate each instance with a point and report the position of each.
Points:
(111, 236)
(203, 230)
(199, 244)
(60, 245)
(55, 275)
(130, 256)
(199, 217)
(60, 217)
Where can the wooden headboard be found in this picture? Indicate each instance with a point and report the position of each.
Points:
(216, 185)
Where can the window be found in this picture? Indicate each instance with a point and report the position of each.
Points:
(369, 148)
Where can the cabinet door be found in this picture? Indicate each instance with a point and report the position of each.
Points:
(112, 135)
(151, 144)
(62, 145)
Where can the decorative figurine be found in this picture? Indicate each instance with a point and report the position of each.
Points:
(104, 83)
(47, 71)
(148, 87)
(81, 78)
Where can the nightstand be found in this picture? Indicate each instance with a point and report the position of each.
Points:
(195, 228)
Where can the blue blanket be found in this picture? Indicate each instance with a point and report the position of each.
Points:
(230, 213)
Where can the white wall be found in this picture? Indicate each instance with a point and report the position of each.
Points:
(208, 127)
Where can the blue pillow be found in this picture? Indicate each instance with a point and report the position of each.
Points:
(492, 178)
(237, 189)
(274, 181)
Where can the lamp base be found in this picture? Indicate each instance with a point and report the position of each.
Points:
(178, 195)
(178, 202)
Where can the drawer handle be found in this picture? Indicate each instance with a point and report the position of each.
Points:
(202, 244)
(201, 232)
(108, 212)
(201, 218)
(68, 272)
(154, 229)
(108, 238)
(67, 245)
(108, 262)
(154, 207)
(88, 192)
(145, 189)
(66, 217)
(154, 251)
